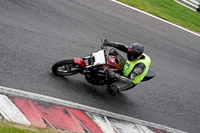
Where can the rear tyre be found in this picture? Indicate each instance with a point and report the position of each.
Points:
(65, 68)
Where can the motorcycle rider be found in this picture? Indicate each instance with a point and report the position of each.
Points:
(135, 67)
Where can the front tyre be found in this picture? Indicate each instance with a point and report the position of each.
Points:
(65, 68)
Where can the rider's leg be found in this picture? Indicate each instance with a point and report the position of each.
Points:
(123, 86)
(119, 86)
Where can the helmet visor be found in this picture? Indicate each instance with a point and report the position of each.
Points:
(132, 56)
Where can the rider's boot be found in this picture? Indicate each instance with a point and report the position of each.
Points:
(113, 90)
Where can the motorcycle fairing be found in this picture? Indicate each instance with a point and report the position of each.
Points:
(99, 58)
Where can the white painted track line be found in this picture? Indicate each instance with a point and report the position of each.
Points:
(194, 33)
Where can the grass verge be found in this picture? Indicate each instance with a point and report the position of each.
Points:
(10, 127)
(170, 11)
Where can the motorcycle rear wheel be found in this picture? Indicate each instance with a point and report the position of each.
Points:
(65, 68)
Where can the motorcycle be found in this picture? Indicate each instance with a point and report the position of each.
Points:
(95, 67)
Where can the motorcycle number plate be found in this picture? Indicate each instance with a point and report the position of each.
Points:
(99, 58)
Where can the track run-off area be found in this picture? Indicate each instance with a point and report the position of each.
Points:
(36, 34)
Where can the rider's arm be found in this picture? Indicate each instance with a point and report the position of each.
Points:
(120, 46)
(139, 68)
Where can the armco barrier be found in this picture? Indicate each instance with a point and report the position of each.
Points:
(191, 4)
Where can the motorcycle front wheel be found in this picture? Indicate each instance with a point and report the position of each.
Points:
(65, 68)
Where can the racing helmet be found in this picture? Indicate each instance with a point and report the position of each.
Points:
(135, 51)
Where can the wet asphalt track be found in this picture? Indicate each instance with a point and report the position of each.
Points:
(36, 34)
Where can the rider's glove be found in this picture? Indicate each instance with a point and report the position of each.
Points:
(107, 43)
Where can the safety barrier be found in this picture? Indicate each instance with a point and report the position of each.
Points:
(192, 4)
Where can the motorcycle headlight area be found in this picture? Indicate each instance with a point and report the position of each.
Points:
(99, 58)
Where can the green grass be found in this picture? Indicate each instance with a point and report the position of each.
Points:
(7, 129)
(169, 10)
(10, 127)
